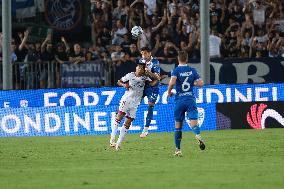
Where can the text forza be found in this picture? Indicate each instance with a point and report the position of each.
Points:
(203, 95)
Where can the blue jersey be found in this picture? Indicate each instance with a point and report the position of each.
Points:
(152, 92)
(186, 76)
(153, 66)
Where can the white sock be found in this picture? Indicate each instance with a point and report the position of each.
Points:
(114, 129)
(145, 129)
(122, 135)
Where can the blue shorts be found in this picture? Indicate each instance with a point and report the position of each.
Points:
(185, 106)
(151, 93)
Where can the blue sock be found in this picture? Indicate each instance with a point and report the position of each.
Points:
(149, 116)
(178, 137)
(196, 129)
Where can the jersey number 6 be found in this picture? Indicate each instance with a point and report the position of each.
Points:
(185, 85)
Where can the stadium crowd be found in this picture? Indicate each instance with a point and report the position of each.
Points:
(238, 29)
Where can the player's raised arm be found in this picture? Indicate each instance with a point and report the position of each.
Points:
(152, 75)
(123, 84)
(153, 82)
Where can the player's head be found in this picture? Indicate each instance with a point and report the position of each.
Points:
(182, 57)
(146, 53)
(140, 69)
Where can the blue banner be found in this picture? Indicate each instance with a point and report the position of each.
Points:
(86, 74)
(74, 120)
(111, 95)
(57, 112)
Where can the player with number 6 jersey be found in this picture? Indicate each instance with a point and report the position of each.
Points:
(184, 78)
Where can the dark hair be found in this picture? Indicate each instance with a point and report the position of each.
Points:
(146, 48)
(182, 56)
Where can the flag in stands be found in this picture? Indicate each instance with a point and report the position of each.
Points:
(23, 8)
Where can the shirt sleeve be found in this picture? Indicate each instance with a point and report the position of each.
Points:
(126, 77)
(196, 75)
(174, 73)
(156, 67)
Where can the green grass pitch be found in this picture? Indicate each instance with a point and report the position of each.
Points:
(233, 159)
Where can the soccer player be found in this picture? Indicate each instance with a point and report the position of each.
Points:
(184, 78)
(134, 82)
(152, 70)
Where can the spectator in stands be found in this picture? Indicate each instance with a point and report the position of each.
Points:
(258, 9)
(119, 12)
(259, 44)
(13, 48)
(76, 56)
(47, 53)
(107, 14)
(145, 38)
(117, 56)
(13, 54)
(118, 33)
(215, 43)
(133, 53)
(237, 14)
(246, 41)
(104, 38)
(150, 6)
(62, 51)
(280, 45)
(96, 19)
(47, 57)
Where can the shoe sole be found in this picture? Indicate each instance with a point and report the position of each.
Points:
(178, 155)
(201, 145)
(143, 136)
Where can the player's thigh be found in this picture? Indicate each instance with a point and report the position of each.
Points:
(132, 111)
(192, 113)
(179, 112)
(124, 106)
(152, 95)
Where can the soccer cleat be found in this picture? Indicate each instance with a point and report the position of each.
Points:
(200, 142)
(178, 153)
(144, 134)
(112, 143)
(117, 147)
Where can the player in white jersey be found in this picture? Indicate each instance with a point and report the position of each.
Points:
(134, 82)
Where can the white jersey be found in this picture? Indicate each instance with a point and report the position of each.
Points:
(136, 87)
(132, 97)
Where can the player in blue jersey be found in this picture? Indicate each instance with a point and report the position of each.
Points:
(152, 70)
(184, 78)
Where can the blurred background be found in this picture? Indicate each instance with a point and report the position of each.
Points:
(87, 43)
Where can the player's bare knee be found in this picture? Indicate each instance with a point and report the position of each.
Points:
(151, 104)
(127, 125)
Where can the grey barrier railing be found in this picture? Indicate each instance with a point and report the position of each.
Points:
(34, 75)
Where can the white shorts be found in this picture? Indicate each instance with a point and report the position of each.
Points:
(128, 107)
